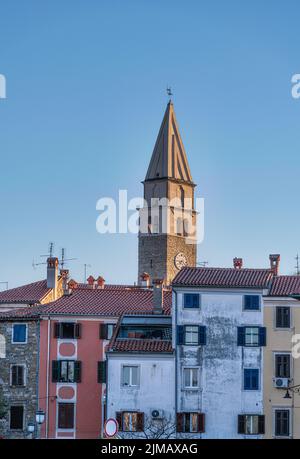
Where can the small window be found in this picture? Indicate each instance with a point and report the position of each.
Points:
(130, 376)
(67, 330)
(191, 300)
(66, 415)
(19, 333)
(190, 378)
(191, 335)
(251, 424)
(251, 336)
(282, 423)
(251, 302)
(16, 417)
(130, 421)
(110, 330)
(282, 365)
(67, 371)
(190, 422)
(283, 317)
(17, 375)
(251, 379)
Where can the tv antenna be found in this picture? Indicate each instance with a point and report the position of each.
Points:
(297, 258)
(63, 258)
(169, 92)
(86, 265)
(48, 255)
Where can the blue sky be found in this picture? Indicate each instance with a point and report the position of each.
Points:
(86, 95)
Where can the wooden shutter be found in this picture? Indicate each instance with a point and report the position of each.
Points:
(180, 334)
(241, 336)
(201, 422)
(140, 422)
(55, 370)
(119, 420)
(77, 371)
(17, 417)
(103, 331)
(179, 423)
(262, 336)
(77, 331)
(14, 375)
(102, 372)
(20, 375)
(261, 424)
(241, 424)
(56, 330)
(202, 335)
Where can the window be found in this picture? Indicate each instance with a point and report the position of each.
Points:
(66, 415)
(19, 334)
(130, 421)
(283, 317)
(251, 379)
(282, 365)
(191, 300)
(130, 376)
(251, 336)
(190, 378)
(67, 371)
(67, 330)
(16, 417)
(106, 331)
(17, 375)
(251, 302)
(191, 335)
(251, 424)
(190, 422)
(282, 423)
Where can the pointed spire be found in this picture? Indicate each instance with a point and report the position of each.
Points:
(169, 159)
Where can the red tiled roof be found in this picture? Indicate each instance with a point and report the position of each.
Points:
(141, 345)
(28, 294)
(285, 286)
(223, 277)
(100, 302)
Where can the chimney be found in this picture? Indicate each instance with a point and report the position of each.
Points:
(158, 296)
(100, 282)
(72, 284)
(274, 263)
(145, 280)
(65, 281)
(52, 274)
(90, 281)
(238, 263)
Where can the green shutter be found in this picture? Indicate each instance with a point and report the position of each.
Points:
(55, 370)
(77, 371)
(102, 372)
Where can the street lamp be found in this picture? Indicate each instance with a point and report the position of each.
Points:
(40, 418)
(30, 428)
(295, 389)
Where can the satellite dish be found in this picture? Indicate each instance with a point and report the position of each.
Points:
(111, 427)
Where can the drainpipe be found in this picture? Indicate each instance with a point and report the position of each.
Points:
(47, 379)
(38, 326)
(176, 365)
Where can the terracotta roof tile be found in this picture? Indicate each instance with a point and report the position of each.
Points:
(224, 277)
(285, 286)
(27, 294)
(141, 345)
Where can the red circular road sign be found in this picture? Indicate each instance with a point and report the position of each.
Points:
(111, 427)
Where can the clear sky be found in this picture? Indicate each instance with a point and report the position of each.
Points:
(85, 98)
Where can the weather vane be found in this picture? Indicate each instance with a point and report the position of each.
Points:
(169, 92)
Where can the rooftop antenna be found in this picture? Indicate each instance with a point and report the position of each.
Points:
(169, 92)
(297, 258)
(86, 265)
(48, 255)
(63, 258)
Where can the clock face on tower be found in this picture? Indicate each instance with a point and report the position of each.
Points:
(180, 260)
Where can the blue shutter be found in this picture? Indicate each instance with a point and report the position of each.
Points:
(180, 334)
(196, 300)
(202, 335)
(241, 336)
(262, 336)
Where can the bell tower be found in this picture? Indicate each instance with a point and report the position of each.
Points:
(167, 236)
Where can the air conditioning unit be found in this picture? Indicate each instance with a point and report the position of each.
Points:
(157, 414)
(281, 383)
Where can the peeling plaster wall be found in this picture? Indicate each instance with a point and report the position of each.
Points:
(220, 396)
(155, 392)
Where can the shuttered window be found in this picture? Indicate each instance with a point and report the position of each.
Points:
(191, 422)
(282, 365)
(191, 300)
(283, 317)
(130, 421)
(68, 371)
(251, 424)
(251, 336)
(66, 415)
(251, 379)
(16, 417)
(191, 335)
(106, 331)
(17, 375)
(67, 330)
(251, 302)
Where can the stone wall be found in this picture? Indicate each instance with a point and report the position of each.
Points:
(26, 354)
